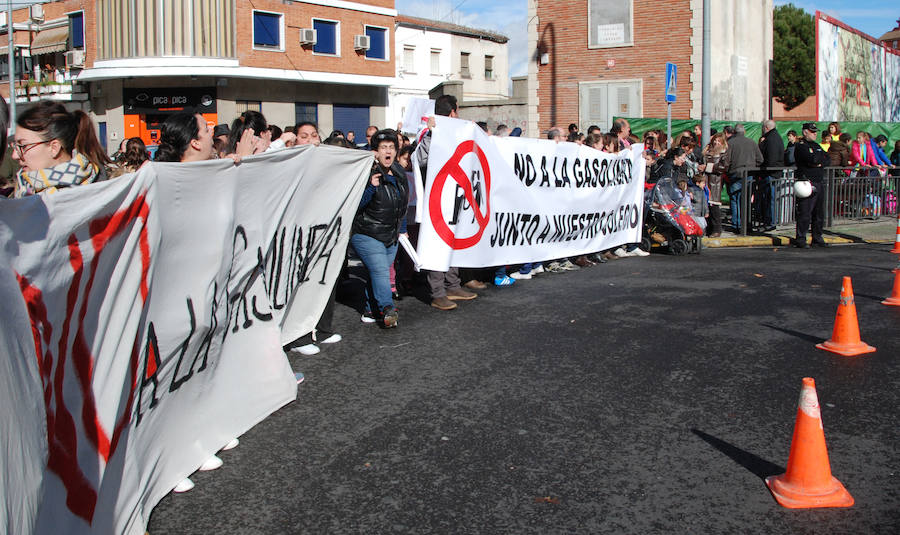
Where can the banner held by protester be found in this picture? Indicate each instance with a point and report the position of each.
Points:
(145, 320)
(492, 201)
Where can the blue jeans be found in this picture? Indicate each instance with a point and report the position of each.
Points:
(377, 257)
(765, 201)
(735, 191)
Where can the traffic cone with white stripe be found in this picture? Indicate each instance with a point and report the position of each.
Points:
(845, 336)
(894, 299)
(896, 248)
(808, 482)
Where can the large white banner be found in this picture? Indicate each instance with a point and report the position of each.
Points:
(491, 201)
(143, 323)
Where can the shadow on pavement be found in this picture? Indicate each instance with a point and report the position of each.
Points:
(759, 466)
(878, 268)
(798, 334)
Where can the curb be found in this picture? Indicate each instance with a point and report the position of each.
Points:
(777, 241)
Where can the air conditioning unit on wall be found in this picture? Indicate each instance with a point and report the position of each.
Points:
(307, 36)
(36, 13)
(75, 59)
(361, 42)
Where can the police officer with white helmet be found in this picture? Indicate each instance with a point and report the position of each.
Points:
(811, 161)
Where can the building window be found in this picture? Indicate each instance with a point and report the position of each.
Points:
(306, 112)
(377, 42)
(464, 65)
(76, 29)
(435, 61)
(489, 67)
(610, 24)
(267, 30)
(247, 105)
(326, 37)
(409, 59)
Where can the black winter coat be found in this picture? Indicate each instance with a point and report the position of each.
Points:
(772, 148)
(382, 216)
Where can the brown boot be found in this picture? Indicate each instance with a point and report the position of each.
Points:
(442, 303)
(475, 285)
(458, 294)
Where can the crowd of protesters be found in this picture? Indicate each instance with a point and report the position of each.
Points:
(54, 148)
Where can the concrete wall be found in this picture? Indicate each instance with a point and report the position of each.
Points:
(741, 33)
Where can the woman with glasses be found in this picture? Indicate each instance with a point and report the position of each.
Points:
(56, 149)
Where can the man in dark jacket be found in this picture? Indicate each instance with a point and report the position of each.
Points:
(741, 156)
(772, 147)
(811, 161)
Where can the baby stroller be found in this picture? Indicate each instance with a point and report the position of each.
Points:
(669, 220)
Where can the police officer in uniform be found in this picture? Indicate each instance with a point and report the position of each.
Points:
(811, 161)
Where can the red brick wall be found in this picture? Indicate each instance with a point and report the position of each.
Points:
(57, 10)
(296, 57)
(661, 33)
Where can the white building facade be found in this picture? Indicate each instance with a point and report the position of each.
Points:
(429, 52)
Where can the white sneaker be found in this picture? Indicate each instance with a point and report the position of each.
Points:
(520, 276)
(299, 377)
(639, 252)
(308, 349)
(333, 339)
(568, 265)
(537, 269)
(620, 252)
(211, 464)
(231, 445)
(185, 485)
(365, 318)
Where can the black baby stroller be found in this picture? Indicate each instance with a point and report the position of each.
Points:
(669, 220)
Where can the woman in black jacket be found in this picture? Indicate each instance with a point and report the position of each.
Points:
(379, 221)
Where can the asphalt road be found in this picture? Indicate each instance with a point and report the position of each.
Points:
(646, 395)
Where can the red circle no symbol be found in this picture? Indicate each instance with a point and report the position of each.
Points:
(453, 170)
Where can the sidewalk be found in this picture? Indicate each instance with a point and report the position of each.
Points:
(882, 230)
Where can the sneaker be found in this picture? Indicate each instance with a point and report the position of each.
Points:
(333, 339)
(308, 349)
(458, 294)
(442, 303)
(367, 318)
(583, 262)
(390, 317)
(475, 285)
(568, 266)
(185, 485)
(231, 445)
(609, 256)
(620, 252)
(596, 258)
(299, 377)
(640, 252)
(211, 464)
(519, 276)
(505, 280)
(555, 267)
(537, 269)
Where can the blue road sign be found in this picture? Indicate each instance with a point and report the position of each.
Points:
(671, 81)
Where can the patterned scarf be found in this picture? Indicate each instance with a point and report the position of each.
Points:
(79, 170)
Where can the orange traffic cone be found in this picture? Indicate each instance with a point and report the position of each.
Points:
(896, 248)
(845, 336)
(894, 299)
(808, 481)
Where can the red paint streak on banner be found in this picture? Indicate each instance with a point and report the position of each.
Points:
(81, 497)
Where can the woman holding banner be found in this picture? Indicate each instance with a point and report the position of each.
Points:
(379, 221)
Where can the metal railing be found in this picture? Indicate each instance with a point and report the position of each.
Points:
(851, 195)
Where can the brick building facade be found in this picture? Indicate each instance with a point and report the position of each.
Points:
(322, 60)
(594, 60)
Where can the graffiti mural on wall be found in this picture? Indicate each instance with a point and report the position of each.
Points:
(858, 79)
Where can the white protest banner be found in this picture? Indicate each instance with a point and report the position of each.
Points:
(418, 110)
(492, 201)
(144, 320)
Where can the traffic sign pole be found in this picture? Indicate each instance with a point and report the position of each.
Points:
(669, 124)
(671, 84)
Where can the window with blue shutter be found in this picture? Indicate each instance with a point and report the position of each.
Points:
(377, 43)
(266, 29)
(326, 37)
(76, 29)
